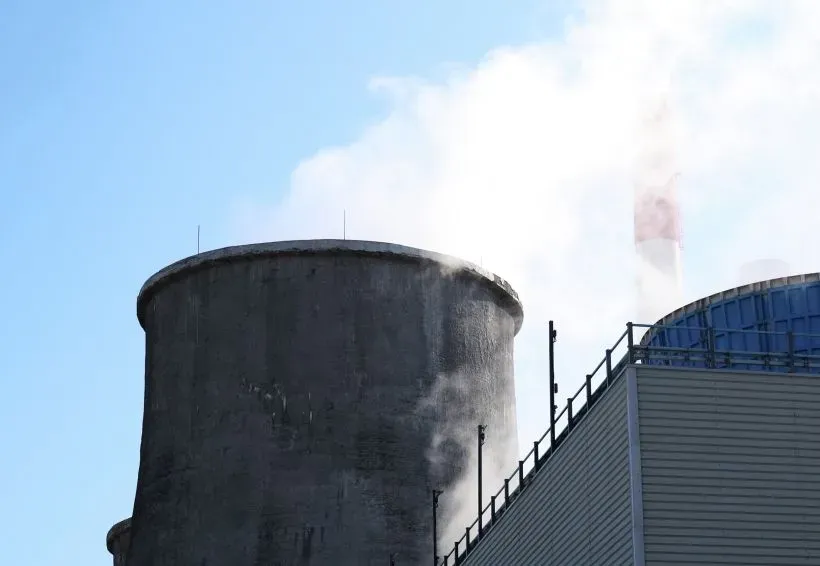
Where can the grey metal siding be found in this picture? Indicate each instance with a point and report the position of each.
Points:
(577, 511)
(731, 467)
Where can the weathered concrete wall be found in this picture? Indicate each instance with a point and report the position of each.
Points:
(302, 399)
(118, 540)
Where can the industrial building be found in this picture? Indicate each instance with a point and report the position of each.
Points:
(303, 400)
(306, 401)
(698, 444)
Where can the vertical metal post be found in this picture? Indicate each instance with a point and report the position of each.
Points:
(790, 340)
(589, 390)
(436, 494)
(520, 476)
(630, 343)
(506, 491)
(481, 436)
(492, 509)
(535, 454)
(553, 385)
(608, 366)
(711, 346)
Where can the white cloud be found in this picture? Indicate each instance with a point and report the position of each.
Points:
(524, 163)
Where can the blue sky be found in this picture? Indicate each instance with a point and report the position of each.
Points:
(122, 127)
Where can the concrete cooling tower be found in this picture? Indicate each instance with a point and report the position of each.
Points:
(302, 399)
(117, 539)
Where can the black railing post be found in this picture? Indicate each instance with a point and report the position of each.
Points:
(506, 492)
(481, 436)
(492, 509)
(589, 390)
(569, 413)
(630, 343)
(436, 494)
(710, 344)
(535, 454)
(608, 366)
(790, 340)
(520, 476)
(553, 335)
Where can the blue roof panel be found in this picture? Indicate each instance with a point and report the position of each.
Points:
(756, 318)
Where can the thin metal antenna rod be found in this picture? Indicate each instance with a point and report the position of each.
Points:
(197, 239)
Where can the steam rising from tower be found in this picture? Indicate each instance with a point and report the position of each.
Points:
(657, 217)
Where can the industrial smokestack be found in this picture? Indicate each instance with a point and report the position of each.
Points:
(303, 398)
(657, 217)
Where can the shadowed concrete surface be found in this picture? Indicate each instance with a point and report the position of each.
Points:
(117, 541)
(303, 398)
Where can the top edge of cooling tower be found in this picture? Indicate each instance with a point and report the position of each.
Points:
(734, 292)
(509, 298)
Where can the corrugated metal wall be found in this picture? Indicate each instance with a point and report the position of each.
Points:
(731, 467)
(577, 511)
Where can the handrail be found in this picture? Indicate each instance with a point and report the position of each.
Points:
(641, 353)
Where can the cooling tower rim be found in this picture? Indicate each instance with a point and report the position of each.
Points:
(115, 532)
(249, 252)
(748, 289)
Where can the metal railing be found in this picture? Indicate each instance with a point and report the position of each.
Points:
(782, 351)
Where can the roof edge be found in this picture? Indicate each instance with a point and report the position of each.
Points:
(247, 252)
(747, 289)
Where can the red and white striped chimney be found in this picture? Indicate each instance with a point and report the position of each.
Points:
(657, 217)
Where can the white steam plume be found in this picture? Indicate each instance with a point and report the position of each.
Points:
(523, 163)
(452, 391)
